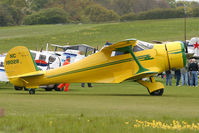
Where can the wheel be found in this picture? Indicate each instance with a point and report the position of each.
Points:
(48, 89)
(32, 91)
(25, 89)
(18, 88)
(157, 92)
(56, 87)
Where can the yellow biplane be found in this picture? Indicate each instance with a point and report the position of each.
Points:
(129, 59)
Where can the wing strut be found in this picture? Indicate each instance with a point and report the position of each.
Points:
(129, 49)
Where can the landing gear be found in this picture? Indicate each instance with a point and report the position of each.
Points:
(18, 88)
(56, 87)
(157, 92)
(154, 88)
(31, 91)
(25, 89)
(48, 89)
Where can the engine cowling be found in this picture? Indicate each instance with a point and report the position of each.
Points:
(176, 55)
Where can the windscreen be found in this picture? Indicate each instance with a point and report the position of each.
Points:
(144, 45)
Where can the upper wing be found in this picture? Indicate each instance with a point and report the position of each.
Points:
(122, 44)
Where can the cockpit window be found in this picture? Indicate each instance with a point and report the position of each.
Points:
(137, 48)
(140, 46)
(116, 53)
(144, 45)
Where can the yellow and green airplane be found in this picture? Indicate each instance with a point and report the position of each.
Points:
(129, 59)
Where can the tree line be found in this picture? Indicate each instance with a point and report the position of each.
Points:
(30, 12)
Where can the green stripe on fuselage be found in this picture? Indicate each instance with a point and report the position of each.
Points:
(176, 52)
(94, 67)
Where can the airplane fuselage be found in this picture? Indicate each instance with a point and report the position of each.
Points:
(104, 67)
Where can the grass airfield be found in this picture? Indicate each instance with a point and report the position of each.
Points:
(103, 108)
(37, 36)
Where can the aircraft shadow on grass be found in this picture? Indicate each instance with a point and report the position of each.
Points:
(81, 94)
(100, 94)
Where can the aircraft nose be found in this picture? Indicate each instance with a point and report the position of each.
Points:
(176, 55)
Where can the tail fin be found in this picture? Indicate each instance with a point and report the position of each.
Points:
(19, 61)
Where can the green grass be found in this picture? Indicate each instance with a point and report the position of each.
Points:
(103, 108)
(96, 34)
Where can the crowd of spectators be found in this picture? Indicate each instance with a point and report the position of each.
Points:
(188, 75)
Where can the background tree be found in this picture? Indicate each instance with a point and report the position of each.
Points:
(47, 16)
(119, 6)
(97, 13)
(36, 5)
(172, 3)
(5, 16)
(12, 12)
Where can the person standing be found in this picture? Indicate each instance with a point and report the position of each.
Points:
(60, 86)
(189, 73)
(193, 68)
(184, 76)
(177, 75)
(168, 77)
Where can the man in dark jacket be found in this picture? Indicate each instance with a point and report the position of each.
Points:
(193, 68)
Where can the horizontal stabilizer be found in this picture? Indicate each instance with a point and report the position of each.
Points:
(31, 74)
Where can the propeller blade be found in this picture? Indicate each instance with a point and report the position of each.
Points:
(186, 48)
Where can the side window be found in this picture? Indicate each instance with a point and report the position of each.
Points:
(116, 53)
(137, 48)
(42, 57)
(51, 59)
(33, 55)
